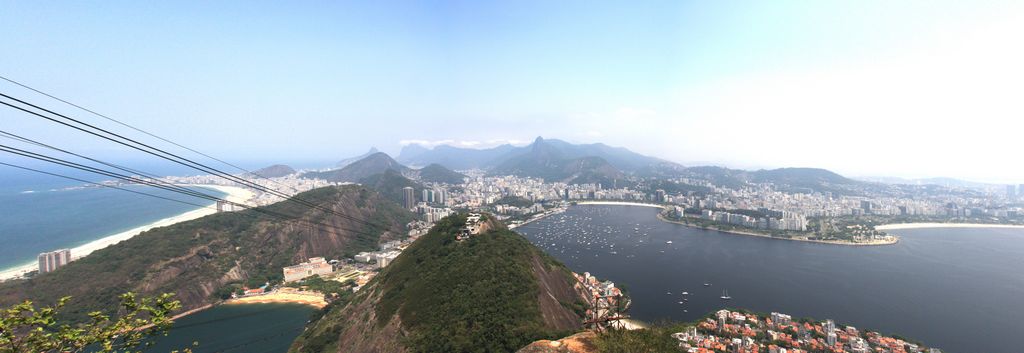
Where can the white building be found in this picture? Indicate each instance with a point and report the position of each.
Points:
(315, 266)
(50, 261)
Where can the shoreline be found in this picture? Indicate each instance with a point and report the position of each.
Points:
(752, 234)
(234, 194)
(898, 226)
(618, 203)
(537, 217)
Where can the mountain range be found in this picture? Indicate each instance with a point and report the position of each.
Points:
(557, 160)
(469, 158)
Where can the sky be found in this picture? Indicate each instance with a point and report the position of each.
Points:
(864, 88)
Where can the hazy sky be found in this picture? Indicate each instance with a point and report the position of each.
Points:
(902, 88)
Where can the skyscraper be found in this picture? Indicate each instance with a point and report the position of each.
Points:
(410, 197)
(49, 261)
(1011, 191)
(441, 196)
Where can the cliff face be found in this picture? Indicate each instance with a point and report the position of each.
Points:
(204, 259)
(494, 292)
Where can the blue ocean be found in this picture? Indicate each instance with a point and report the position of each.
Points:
(42, 213)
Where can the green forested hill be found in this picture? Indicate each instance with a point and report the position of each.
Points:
(203, 259)
(495, 292)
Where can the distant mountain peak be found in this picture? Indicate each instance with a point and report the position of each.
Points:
(374, 163)
(274, 171)
(350, 160)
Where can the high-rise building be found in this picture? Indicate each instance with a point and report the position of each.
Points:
(866, 206)
(441, 196)
(1011, 191)
(829, 326)
(410, 197)
(50, 261)
(659, 195)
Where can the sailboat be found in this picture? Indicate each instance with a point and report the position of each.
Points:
(725, 295)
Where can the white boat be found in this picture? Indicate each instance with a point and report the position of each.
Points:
(686, 293)
(725, 295)
(668, 242)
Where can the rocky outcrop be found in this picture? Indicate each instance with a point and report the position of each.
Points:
(582, 342)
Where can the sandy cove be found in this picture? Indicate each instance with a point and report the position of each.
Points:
(235, 194)
(284, 295)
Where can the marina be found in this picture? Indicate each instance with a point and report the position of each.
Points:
(870, 287)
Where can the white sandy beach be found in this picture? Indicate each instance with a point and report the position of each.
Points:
(235, 194)
(943, 225)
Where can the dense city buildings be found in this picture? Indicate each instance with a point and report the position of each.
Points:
(290, 184)
(745, 332)
(606, 303)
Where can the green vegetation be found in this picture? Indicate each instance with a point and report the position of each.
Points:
(25, 328)
(657, 338)
(195, 258)
(436, 173)
(328, 287)
(514, 201)
(478, 295)
(475, 296)
(390, 184)
(549, 162)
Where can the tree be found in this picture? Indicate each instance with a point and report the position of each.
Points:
(24, 328)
